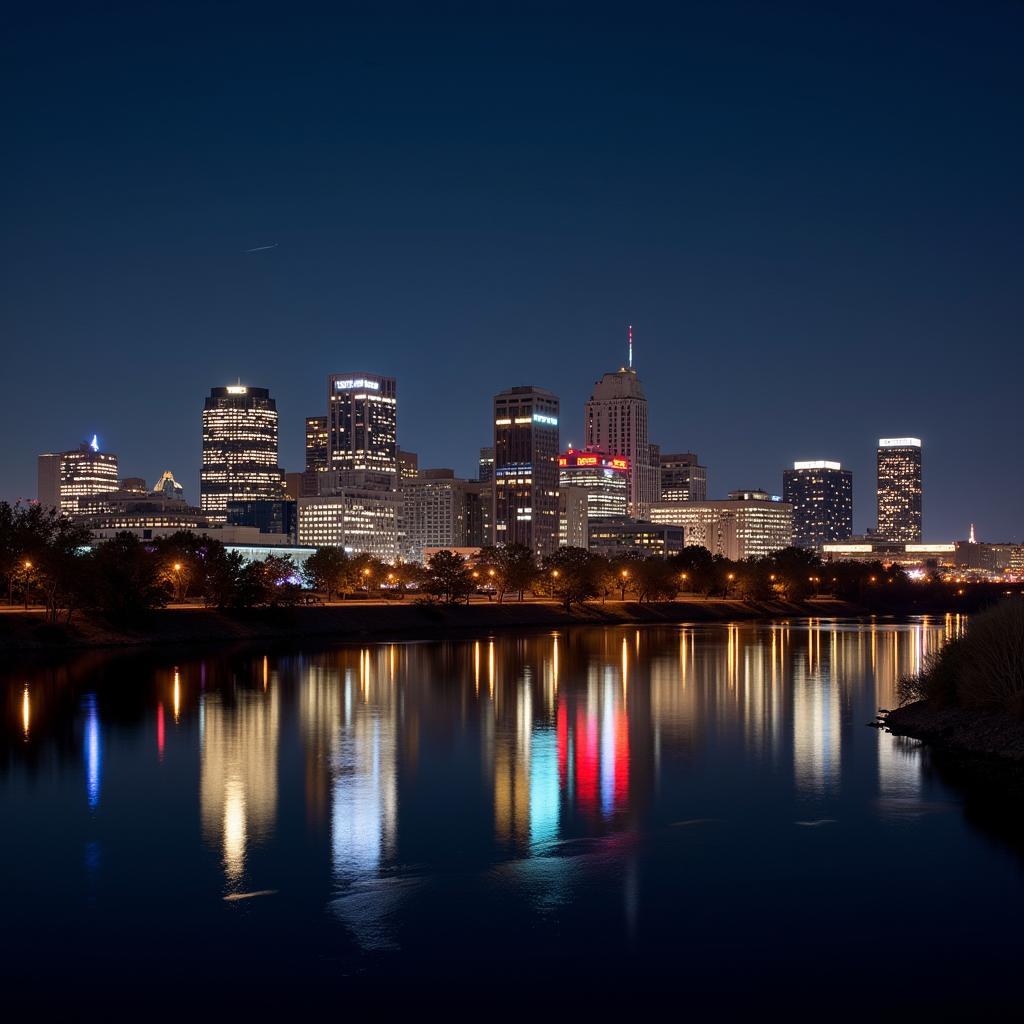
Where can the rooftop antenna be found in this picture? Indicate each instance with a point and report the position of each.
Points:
(631, 346)
(972, 540)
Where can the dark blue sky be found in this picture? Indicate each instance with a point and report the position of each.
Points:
(811, 213)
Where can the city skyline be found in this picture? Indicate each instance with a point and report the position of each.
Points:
(502, 222)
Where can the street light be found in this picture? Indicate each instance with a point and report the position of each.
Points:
(554, 572)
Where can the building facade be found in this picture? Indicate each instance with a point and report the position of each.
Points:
(363, 422)
(65, 477)
(604, 477)
(573, 521)
(439, 511)
(268, 515)
(748, 524)
(362, 520)
(612, 537)
(821, 494)
(683, 478)
(899, 489)
(615, 421)
(486, 463)
(526, 469)
(239, 449)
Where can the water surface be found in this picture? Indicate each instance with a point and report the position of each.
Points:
(595, 814)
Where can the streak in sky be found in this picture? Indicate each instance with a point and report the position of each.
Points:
(260, 248)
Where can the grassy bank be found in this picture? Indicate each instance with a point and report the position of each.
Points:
(969, 695)
(359, 621)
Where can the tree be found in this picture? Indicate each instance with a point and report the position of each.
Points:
(513, 566)
(449, 577)
(327, 570)
(123, 578)
(695, 568)
(221, 575)
(572, 576)
(624, 571)
(655, 579)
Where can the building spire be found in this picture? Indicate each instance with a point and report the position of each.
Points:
(972, 540)
(631, 346)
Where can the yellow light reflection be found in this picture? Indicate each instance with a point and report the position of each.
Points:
(177, 695)
(625, 665)
(265, 672)
(476, 667)
(26, 711)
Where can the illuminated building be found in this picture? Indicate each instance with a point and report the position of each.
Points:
(899, 488)
(277, 515)
(748, 524)
(363, 422)
(683, 478)
(611, 537)
(616, 422)
(438, 511)
(486, 473)
(318, 450)
(168, 487)
(821, 494)
(239, 449)
(526, 469)
(408, 465)
(604, 477)
(356, 511)
(889, 552)
(572, 517)
(67, 476)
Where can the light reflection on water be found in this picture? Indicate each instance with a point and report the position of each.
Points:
(566, 775)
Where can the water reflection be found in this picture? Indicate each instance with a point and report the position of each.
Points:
(468, 783)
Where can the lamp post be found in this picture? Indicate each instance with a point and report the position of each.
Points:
(27, 566)
(623, 578)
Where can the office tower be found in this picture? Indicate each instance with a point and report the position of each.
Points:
(363, 422)
(135, 484)
(683, 478)
(616, 422)
(614, 537)
(268, 515)
(526, 469)
(749, 524)
(239, 449)
(169, 487)
(359, 515)
(821, 494)
(486, 473)
(572, 517)
(65, 477)
(318, 451)
(899, 488)
(604, 477)
(408, 465)
(439, 511)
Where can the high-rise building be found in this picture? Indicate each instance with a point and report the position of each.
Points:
(355, 510)
(749, 524)
(318, 454)
(572, 517)
(526, 469)
(616, 422)
(276, 515)
(65, 477)
(363, 422)
(899, 489)
(408, 465)
(821, 494)
(239, 449)
(683, 478)
(486, 473)
(439, 511)
(604, 477)
(614, 537)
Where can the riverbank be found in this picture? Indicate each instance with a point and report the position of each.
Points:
(960, 730)
(355, 621)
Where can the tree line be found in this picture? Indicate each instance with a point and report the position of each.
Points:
(45, 558)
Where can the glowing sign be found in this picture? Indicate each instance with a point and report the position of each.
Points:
(820, 464)
(551, 421)
(586, 460)
(356, 382)
(899, 442)
(563, 461)
(925, 549)
(620, 463)
(237, 389)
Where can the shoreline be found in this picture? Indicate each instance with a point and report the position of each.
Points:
(994, 736)
(26, 632)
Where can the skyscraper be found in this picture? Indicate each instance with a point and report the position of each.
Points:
(239, 449)
(363, 422)
(80, 473)
(526, 469)
(683, 478)
(899, 489)
(605, 478)
(616, 422)
(486, 472)
(821, 494)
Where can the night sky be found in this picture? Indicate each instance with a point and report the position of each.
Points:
(812, 214)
